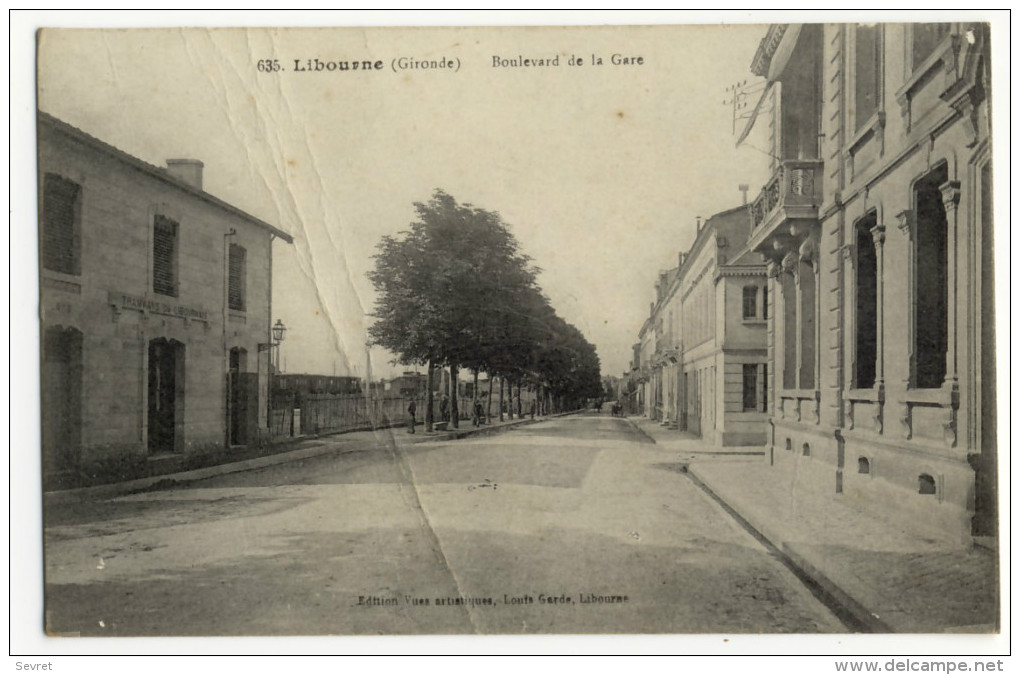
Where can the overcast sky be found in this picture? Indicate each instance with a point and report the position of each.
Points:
(601, 170)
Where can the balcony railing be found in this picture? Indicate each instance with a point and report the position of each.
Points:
(796, 184)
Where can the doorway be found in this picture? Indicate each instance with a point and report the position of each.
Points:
(61, 399)
(166, 396)
(237, 398)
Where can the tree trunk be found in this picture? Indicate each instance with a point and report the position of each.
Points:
(474, 398)
(500, 398)
(454, 411)
(519, 400)
(488, 401)
(429, 410)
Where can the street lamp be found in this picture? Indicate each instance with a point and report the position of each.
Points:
(277, 333)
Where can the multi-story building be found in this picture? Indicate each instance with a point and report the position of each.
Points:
(877, 227)
(706, 359)
(155, 308)
(722, 394)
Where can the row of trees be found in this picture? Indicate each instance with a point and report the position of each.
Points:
(456, 291)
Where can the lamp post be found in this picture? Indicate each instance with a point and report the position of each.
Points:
(277, 333)
(279, 330)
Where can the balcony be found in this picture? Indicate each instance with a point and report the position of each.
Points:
(793, 192)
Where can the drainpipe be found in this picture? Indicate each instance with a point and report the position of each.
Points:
(269, 341)
(226, 352)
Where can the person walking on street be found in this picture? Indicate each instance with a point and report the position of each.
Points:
(444, 408)
(411, 409)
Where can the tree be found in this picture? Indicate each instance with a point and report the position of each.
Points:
(445, 287)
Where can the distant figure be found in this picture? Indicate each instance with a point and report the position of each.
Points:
(617, 409)
(411, 409)
(479, 414)
(444, 408)
(598, 407)
(532, 410)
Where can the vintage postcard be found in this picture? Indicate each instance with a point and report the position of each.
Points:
(663, 329)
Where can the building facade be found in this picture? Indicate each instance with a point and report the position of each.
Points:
(155, 308)
(722, 394)
(877, 227)
(702, 356)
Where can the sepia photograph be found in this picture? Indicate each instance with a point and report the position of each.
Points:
(686, 329)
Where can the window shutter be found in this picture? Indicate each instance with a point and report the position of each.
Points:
(164, 256)
(60, 197)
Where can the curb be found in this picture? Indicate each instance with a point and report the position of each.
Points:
(110, 490)
(851, 612)
(857, 617)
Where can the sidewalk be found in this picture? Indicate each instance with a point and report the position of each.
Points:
(300, 448)
(887, 576)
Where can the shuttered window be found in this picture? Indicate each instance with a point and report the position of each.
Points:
(164, 256)
(60, 234)
(237, 273)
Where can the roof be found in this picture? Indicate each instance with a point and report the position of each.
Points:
(156, 172)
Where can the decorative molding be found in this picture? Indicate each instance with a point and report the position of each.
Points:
(848, 252)
(790, 263)
(878, 236)
(907, 222)
(905, 420)
(949, 431)
(950, 194)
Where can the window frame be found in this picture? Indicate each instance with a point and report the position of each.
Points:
(174, 284)
(74, 268)
(242, 278)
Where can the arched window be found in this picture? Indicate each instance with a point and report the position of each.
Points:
(866, 318)
(931, 282)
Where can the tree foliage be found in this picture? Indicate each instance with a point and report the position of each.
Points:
(455, 289)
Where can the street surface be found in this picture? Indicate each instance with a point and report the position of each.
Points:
(573, 525)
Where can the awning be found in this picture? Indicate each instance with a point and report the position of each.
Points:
(777, 64)
(754, 113)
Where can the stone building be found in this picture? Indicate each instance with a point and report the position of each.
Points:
(877, 226)
(702, 350)
(155, 308)
(721, 387)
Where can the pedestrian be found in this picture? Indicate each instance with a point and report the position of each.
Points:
(479, 416)
(411, 409)
(444, 408)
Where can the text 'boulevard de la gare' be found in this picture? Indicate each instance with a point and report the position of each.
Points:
(318, 64)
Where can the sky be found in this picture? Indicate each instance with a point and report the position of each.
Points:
(601, 170)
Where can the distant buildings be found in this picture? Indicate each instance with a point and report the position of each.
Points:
(877, 318)
(155, 308)
(702, 360)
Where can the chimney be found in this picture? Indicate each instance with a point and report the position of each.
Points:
(186, 170)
